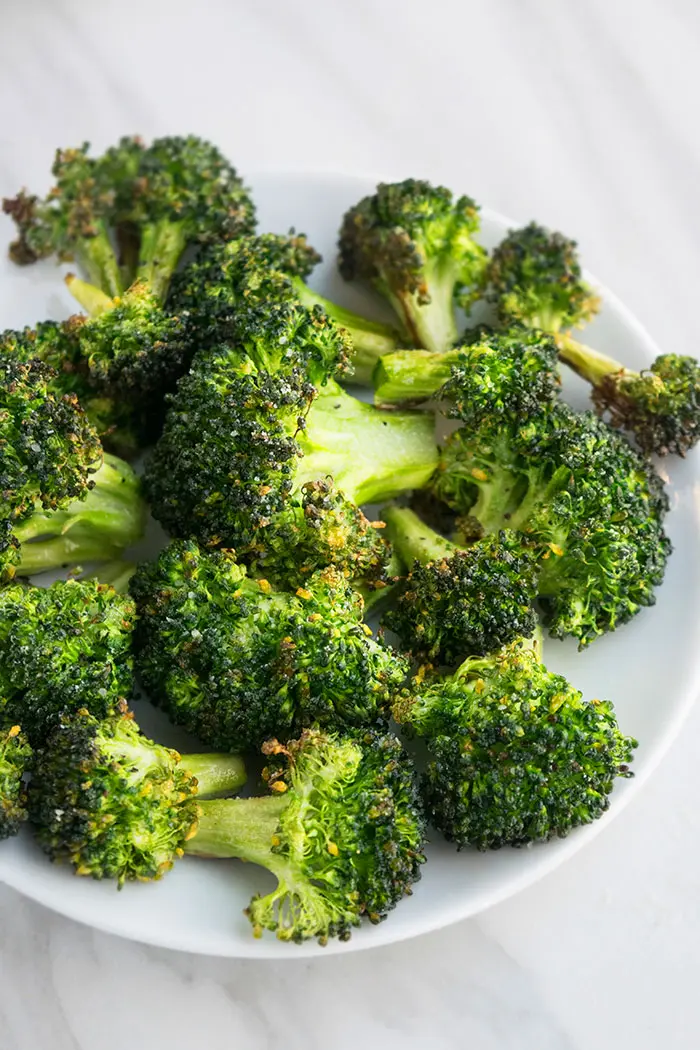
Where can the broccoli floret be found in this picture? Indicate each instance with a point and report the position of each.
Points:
(535, 278)
(208, 294)
(515, 753)
(590, 505)
(414, 243)
(459, 602)
(342, 832)
(247, 430)
(235, 661)
(110, 517)
(47, 450)
(114, 804)
(660, 405)
(509, 373)
(15, 761)
(123, 426)
(175, 193)
(62, 648)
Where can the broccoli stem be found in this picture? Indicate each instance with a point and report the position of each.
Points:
(240, 827)
(217, 775)
(162, 245)
(92, 299)
(411, 375)
(109, 519)
(590, 364)
(370, 339)
(432, 324)
(96, 258)
(413, 540)
(372, 455)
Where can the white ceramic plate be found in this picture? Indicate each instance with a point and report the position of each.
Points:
(199, 906)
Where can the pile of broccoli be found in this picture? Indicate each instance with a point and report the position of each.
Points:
(203, 349)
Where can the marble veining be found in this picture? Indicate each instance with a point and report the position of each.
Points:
(582, 114)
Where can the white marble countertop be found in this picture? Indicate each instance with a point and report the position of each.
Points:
(582, 114)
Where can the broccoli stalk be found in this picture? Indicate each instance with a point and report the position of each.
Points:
(107, 520)
(371, 455)
(342, 833)
(458, 601)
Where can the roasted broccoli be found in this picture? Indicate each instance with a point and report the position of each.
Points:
(114, 804)
(459, 602)
(64, 647)
(15, 761)
(97, 527)
(257, 420)
(47, 450)
(534, 277)
(172, 194)
(511, 373)
(342, 832)
(235, 661)
(414, 243)
(209, 292)
(590, 506)
(515, 754)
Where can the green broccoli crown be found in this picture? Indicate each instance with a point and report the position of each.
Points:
(316, 529)
(590, 505)
(110, 802)
(47, 448)
(15, 761)
(510, 374)
(72, 212)
(64, 647)
(343, 833)
(236, 662)
(224, 464)
(534, 277)
(660, 406)
(459, 602)
(188, 180)
(390, 237)
(211, 291)
(132, 347)
(516, 755)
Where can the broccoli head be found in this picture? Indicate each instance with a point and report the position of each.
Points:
(114, 804)
(208, 294)
(63, 647)
(510, 373)
(235, 661)
(459, 601)
(515, 753)
(15, 761)
(534, 277)
(255, 421)
(414, 243)
(590, 506)
(342, 832)
(47, 449)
